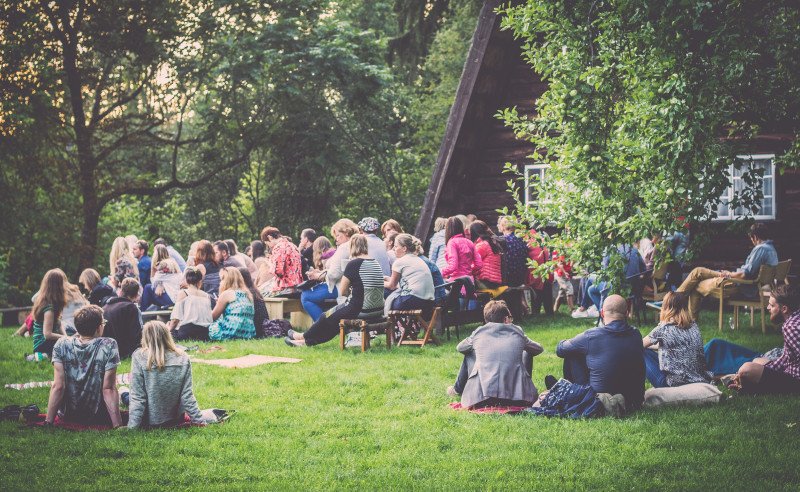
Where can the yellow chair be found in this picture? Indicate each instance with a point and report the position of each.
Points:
(765, 279)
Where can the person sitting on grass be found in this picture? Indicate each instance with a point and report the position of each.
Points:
(85, 374)
(124, 320)
(192, 313)
(363, 281)
(260, 314)
(498, 362)
(96, 289)
(781, 376)
(680, 359)
(47, 309)
(161, 382)
(608, 358)
(162, 291)
(233, 314)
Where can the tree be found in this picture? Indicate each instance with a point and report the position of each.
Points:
(641, 95)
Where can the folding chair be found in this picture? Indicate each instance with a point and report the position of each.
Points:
(405, 319)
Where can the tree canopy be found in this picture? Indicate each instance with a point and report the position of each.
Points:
(648, 105)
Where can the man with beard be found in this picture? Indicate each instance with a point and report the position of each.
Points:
(781, 376)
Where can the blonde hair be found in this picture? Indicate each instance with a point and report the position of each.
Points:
(439, 224)
(345, 226)
(156, 342)
(505, 224)
(320, 246)
(412, 244)
(675, 309)
(120, 249)
(358, 245)
(168, 265)
(160, 252)
(231, 279)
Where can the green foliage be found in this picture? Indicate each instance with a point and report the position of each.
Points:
(640, 97)
(379, 420)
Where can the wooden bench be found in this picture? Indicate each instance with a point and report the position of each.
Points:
(14, 315)
(162, 315)
(380, 324)
(278, 307)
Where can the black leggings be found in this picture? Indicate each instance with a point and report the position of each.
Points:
(191, 331)
(327, 326)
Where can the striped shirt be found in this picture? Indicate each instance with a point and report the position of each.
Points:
(366, 286)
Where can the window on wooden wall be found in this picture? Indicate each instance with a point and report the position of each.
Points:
(534, 174)
(766, 210)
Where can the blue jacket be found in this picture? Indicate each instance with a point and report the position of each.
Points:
(144, 270)
(614, 357)
(763, 254)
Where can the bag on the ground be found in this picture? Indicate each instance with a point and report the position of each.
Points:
(276, 327)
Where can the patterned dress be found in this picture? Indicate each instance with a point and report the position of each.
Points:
(236, 321)
(680, 354)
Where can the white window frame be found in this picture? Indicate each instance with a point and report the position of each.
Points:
(541, 170)
(770, 173)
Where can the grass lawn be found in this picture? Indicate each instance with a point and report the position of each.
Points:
(347, 420)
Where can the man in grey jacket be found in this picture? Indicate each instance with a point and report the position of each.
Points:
(498, 361)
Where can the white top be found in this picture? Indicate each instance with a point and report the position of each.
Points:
(170, 281)
(336, 266)
(193, 309)
(415, 277)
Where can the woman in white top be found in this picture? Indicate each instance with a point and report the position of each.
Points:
(411, 280)
(162, 291)
(192, 313)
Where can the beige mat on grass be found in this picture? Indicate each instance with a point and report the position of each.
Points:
(249, 360)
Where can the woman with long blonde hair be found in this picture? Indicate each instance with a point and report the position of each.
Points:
(122, 264)
(47, 311)
(161, 381)
(233, 314)
(160, 253)
(680, 359)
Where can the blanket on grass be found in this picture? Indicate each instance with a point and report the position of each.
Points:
(124, 378)
(74, 426)
(249, 360)
(487, 410)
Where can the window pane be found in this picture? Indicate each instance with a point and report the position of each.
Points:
(766, 187)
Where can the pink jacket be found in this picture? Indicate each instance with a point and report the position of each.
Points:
(492, 269)
(462, 259)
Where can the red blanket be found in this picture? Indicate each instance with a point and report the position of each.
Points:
(74, 426)
(499, 410)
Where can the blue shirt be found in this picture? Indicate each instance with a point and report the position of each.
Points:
(437, 249)
(144, 270)
(615, 359)
(762, 254)
(173, 253)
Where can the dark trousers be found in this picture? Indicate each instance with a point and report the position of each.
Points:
(576, 371)
(543, 298)
(327, 326)
(191, 331)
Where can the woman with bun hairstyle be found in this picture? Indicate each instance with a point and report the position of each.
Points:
(191, 315)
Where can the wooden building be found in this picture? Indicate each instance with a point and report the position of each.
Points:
(468, 175)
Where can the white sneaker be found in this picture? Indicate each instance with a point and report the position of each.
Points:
(580, 314)
(592, 312)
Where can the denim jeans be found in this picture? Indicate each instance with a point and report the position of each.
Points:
(653, 369)
(312, 299)
(149, 298)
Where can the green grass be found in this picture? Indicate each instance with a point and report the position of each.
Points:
(347, 420)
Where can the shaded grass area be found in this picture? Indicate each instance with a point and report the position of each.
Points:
(344, 420)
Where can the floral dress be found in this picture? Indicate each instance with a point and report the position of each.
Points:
(236, 321)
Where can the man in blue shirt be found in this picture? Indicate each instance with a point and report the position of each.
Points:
(140, 249)
(702, 281)
(608, 358)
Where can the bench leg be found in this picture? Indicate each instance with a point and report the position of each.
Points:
(341, 338)
(364, 339)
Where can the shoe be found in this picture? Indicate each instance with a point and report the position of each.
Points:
(294, 343)
(290, 333)
(124, 395)
(451, 391)
(580, 314)
(550, 381)
(592, 312)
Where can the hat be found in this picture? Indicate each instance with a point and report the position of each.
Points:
(369, 224)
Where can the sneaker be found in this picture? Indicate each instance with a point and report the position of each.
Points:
(451, 391)
(124, 395)
(550, 381)
(580, 314)
(592, 312)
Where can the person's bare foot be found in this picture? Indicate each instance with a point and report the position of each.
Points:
(294, 343)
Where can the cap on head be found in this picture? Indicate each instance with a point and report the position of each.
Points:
(369, 225)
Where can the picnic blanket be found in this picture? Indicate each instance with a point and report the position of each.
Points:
(487, 410)
(74, 426)
(249, 360)
(124, 378)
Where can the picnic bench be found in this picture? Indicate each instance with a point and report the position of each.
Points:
(278, 307)
(14, 315)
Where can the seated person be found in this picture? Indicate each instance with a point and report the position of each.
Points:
(161, 381)
(363, 281)
(680, 359)
(436, 248)
(244, 259)
(260, 314)
(85, 374)
(205, 259)
(233, 314)
(95, 287)
(490, 248)
(608, 358)
(411, 282)
(368, 226)
(47, 309)
(162, 291)
(123, 318)
(701, 281)
(287, 263)
(497, 365)
(191, 316)
(314, 298)
(781, 376)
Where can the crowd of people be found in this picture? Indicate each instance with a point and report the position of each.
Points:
(218, 293)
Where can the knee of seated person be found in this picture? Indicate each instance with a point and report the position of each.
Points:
(749, 370)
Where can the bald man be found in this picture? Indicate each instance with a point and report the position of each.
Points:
(608, 358)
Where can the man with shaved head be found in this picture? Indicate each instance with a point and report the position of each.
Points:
(608, 358)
